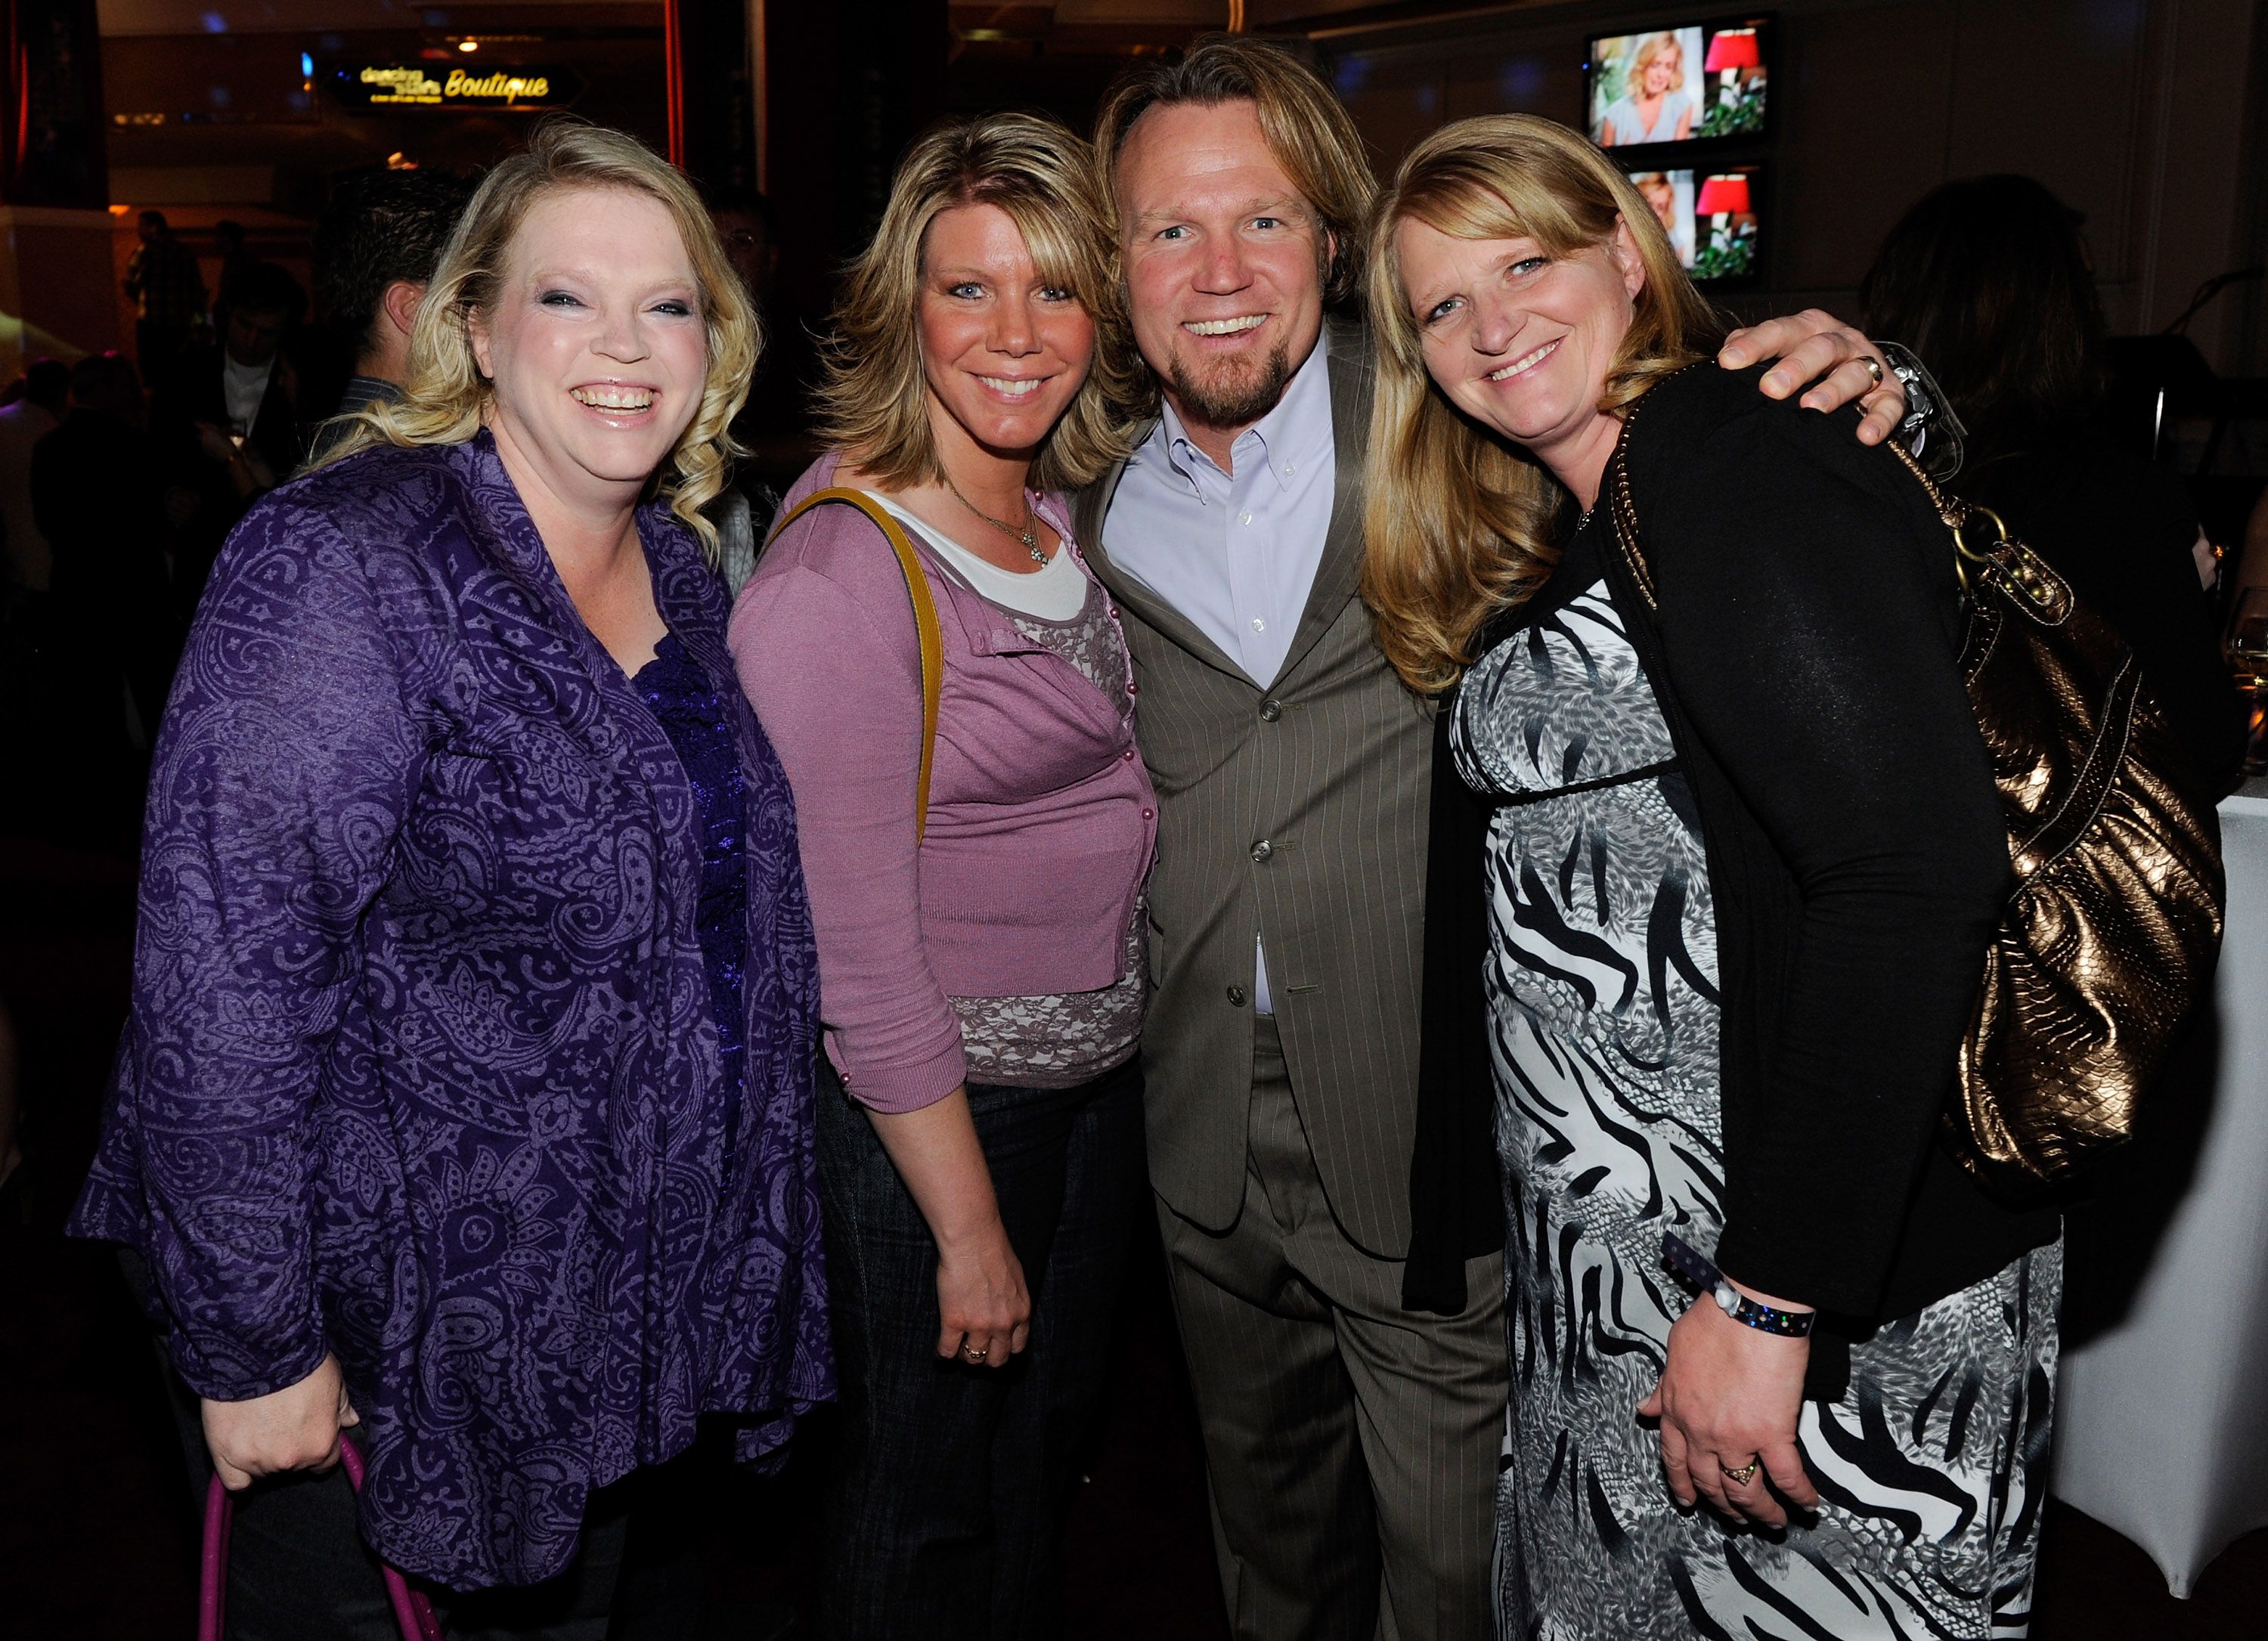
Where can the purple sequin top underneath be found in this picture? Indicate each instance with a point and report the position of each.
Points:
(693, 717)
(475, 1013)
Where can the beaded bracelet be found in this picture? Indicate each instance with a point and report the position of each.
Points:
(1680, 1257)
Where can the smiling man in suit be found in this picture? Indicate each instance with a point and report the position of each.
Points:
(1350, 1382)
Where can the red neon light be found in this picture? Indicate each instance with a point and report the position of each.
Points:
(674, 60)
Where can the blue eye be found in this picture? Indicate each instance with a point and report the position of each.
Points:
(674, 308)
(1441, 310)
(1267, 222)
(1171, 233)
(1056, 293)
(1526, 263)
(968, 288)
(559, 298)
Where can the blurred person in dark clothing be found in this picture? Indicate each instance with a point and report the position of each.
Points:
(235, 257)
(23, 422)
(167, 291)
(97, 494)
(745, 223)
(376, 247)
(1989, 281)
(226, 419)
(743, 514)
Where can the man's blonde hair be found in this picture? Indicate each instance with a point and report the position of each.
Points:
(445, 398)
(1459, 522)
(873, 398)
(1307, 127)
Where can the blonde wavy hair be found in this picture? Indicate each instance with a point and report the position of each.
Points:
(874, 396)
(1460, 523)
(1642, 59)
(444, 398)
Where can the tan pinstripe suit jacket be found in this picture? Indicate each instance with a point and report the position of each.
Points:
(1330, 766)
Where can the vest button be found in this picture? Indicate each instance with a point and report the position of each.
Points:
(1236, 997)
(1262, 850)
(1270, 710)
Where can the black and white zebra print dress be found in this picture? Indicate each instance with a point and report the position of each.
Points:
(1604, 1017)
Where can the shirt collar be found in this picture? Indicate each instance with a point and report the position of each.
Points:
(1290, 438)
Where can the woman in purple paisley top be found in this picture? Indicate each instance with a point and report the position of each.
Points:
(467, 1096)
(980, 1126)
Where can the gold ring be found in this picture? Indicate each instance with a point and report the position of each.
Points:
(1873, 367)
(1745, 1475)
(975, 1355)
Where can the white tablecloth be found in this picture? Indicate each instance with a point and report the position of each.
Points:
(2161, 1422)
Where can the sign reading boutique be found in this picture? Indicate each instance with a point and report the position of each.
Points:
(383, 87)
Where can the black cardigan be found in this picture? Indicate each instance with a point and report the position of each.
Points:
(1804, 656)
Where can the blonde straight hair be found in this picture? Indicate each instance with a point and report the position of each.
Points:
(445, 398)
(874, 396)
(1460, 523)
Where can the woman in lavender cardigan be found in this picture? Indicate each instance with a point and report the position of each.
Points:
(467, 1093)
(980, 1131)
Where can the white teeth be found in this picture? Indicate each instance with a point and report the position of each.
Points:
(1016, 386)
(613, 398)
(1528, 363)
(1225, 327)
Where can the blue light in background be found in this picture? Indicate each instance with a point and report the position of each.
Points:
(307, 66)
(1519, 82)
(215, 23)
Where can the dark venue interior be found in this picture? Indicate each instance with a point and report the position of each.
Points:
(237, 120)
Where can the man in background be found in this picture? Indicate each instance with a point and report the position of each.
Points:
(376, 247)
(235, 256)
(47, 389)
(168, 294)
(226, 419)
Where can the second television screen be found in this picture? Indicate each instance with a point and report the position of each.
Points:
(1679, 84)
(1711, 218)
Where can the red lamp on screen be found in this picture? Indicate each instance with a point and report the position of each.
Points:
(1733, 48)
(1723, 197)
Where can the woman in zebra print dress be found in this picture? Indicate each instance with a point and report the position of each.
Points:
(1743, 862)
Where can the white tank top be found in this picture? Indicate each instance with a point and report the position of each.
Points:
(1056, 592)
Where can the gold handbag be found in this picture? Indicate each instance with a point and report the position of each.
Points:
(2109, 938)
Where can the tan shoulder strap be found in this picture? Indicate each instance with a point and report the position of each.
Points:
(925, 628)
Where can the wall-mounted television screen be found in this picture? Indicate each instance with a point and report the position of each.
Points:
(1691, 83)
(1711, 217)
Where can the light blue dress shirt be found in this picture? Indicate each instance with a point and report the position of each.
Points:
(1235, 552)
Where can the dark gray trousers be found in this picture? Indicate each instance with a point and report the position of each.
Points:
(1352, 1447)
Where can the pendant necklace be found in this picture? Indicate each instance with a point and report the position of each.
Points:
(1029, 535)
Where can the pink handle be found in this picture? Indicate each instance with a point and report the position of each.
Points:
(412, 1611)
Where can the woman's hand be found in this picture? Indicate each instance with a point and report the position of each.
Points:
(984, 1310)
(1729, 1396)
(296, 1428)
(1816, 348)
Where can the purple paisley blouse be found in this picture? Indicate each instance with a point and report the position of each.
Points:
(423, 1066)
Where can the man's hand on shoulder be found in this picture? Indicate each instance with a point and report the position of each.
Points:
(1827, 361)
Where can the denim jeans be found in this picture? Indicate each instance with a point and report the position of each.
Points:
(947, 1505)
